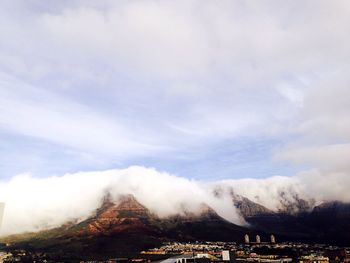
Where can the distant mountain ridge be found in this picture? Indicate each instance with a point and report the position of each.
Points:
(125, 226)
(328, 222)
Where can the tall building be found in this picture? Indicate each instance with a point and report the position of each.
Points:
(228, 255)
(246, 239)
(258, 239)
(273, 239)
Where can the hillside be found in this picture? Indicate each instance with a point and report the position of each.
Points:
(325, 223)
(125, 228)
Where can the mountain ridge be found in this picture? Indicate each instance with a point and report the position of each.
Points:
(128, 227)
(328, 222)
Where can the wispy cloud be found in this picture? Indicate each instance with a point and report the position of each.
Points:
(113, 82)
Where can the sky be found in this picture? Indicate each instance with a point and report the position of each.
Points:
(206, 90)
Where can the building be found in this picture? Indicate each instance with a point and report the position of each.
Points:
(273, 239)
(228, 256)
(190, 260)
(313, 259)
(246, 239)
(258, 240)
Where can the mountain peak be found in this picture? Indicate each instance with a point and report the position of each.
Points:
(114, 217)
(128, 206)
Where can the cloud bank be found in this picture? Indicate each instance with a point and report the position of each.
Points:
(38, 203)
(33, 203)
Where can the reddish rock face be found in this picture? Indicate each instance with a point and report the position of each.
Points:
(127, 215)
(129, 207)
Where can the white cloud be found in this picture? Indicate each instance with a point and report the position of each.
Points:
(234, 61)
(35, 112)
(272, 192)
(37, 203)
(328, 157)
(323, 134)
(326, 185)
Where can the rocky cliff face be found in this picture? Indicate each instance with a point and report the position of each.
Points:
(127, 215)
(296, 205)
(248, 208)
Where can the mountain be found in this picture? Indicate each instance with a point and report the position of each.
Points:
(126, 216)
(328, 222)
(294, 205)
(248, 208)
(284, 223)
(125, 228)
(332, 221)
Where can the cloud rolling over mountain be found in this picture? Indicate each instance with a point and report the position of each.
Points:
(244, 97)
(38, 203)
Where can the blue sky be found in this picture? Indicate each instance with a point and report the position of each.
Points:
(202, 89)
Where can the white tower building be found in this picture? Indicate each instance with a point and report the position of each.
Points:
(273, 239)
(228, 255)
(258, 240)
(246, 239)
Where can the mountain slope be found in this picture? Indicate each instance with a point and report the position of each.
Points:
(125, 228)
(332, 221)
(326, 223)
(248, 208)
